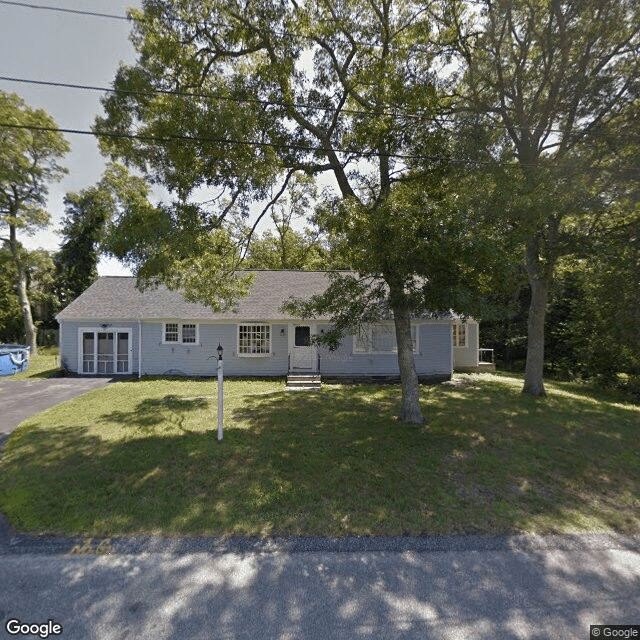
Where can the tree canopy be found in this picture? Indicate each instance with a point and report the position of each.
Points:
(83, 228)
(552, 78)
(455, 133)
(30, 153)
(242, 96)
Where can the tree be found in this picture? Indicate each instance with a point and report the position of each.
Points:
(87, 214)
(551, 75)
(285, 247)
(11, 327)
(40, 285)
(242, 96)
(29, 159)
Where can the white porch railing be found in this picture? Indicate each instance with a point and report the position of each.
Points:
(485, 356)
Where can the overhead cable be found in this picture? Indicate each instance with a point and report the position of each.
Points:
(94, 14)
(276, 145)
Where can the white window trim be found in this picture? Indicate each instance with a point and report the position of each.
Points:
(179, 341)
(96, 330)
(416, 346)
(455, 335)
(254, 355)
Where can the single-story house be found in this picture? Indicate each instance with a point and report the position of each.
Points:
(115, 329)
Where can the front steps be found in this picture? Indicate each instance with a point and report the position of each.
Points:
(303, 382)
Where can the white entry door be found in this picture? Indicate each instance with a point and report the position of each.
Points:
(105, 351)
(303, 353)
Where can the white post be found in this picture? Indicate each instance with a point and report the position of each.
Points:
(220, 399)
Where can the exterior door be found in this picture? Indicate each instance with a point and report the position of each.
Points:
(303, 353)
(105, 352)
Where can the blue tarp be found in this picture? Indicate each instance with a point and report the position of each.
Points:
(14, 358)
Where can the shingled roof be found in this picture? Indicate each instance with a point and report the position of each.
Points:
(117, 298)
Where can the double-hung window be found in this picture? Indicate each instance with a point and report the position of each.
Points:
(381, 338)
(459, 334)
(179, 333)
(189, 333)
(254, 340)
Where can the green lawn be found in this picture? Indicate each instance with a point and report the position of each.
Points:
(141, 456)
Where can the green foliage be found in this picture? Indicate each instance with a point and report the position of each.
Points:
(83, 230)
(286, 247)
(11, 329)
(41, 288)
(430, 235)
(28, 162)
(170, 244)
(254, 113)
(553, 77)
(240, 96)
(596, 312)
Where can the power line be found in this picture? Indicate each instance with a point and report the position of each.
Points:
(207, 96)
(212, 139)
(275, 145)
(394, 112)
(94, 14)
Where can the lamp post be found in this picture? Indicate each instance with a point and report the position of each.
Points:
(220, 392)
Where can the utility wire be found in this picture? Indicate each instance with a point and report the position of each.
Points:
(213, 139)
(207, 96)
(95, 14)
(275, 145)
(394, 112)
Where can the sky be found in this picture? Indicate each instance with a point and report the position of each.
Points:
(44, 45)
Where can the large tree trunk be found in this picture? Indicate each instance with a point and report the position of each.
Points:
(539, 282)
(410, 411)
(27, 318)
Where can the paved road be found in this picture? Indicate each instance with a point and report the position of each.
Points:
(20, 399)
(444, 588)
(520, 589)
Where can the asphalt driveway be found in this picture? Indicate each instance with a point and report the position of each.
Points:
(20, 399)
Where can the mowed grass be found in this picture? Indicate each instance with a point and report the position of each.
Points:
(142, 457)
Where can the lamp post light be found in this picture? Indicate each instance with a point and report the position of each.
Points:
(220, 392)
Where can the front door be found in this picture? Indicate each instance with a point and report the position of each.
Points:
(303, 353)
(105, 352)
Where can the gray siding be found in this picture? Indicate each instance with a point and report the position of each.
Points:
(201, 359)
(434, 356)
(69, 340)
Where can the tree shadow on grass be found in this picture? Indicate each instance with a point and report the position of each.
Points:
(169, 411)
(335, 462)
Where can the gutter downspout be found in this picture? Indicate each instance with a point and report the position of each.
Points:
(139, 347)
(451, 347)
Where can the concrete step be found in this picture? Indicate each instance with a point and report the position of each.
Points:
(301, 381)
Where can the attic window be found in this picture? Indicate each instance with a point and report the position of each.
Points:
(180, 333)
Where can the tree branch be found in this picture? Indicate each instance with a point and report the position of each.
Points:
(264, 211)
